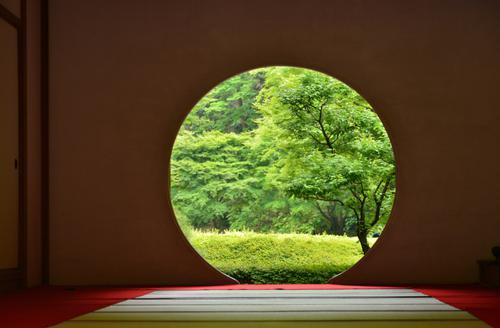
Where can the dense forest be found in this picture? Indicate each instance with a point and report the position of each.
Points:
(283, 149)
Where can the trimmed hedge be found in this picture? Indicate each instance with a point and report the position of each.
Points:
(277, 258)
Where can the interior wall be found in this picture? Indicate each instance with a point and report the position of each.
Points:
(124, 73)
(9, 147)
(20, 138)
(34, 144)
(14, 6)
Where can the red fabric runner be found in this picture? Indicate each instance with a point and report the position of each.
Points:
(46, 306)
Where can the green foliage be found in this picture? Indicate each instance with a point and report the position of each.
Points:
(218, 182)
(331, 148)
(284, 149)
(277, 258)
(228, 107)
(214, 177)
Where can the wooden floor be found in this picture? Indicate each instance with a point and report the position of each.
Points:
(279, 308)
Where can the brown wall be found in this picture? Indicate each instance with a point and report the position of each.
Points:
(14, 6)
(9, 147)
(33, 145)
(124, 73)
(20, 111)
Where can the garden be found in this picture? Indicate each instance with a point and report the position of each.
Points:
(282, 175)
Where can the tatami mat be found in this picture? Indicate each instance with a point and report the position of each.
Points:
(279, 308)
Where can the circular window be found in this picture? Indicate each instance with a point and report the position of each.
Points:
(282, 175)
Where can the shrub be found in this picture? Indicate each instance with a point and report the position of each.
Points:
(277, 258)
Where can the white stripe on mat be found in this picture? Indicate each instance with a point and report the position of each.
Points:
(279, 308)
(279, 316)
(291, 301)
(283, 293)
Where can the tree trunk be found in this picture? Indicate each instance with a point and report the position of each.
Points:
(339, 225)
(363, 240)
(221, 223)
(335, 223)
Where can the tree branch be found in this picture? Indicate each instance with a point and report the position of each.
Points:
(379, 201)
(326, 217)
(376, 189)
(355, 196)
(323, 199)
(322, 128)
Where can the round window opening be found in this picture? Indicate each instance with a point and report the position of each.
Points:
(282, 175)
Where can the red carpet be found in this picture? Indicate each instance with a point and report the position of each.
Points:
(481, 302)
(46, 306)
